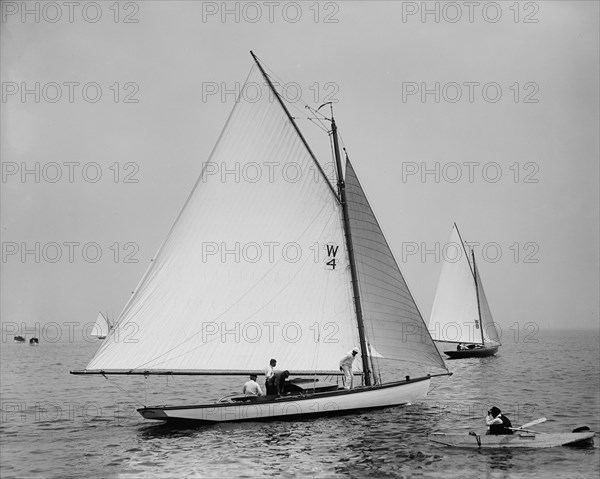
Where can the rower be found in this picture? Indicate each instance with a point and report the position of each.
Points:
(497, 422)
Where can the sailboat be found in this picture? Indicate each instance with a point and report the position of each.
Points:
(101, 327)
(277, 262)
(461, 313)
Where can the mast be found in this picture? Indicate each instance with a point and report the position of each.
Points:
(462, 243)
(474, 278)
(477, 294)
(359, 314)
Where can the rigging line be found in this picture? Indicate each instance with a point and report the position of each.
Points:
(240, 299)
(282, 82)
(123, 390)
(312, 120)
(434, 387)
(317, 112)
(322, 125)
(284, 106)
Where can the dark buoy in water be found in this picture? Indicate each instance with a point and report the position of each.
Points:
(34, 342)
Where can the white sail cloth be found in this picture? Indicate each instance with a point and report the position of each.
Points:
(393, 322)
(242, 276)
(455, 315)
(100, 327)
(256, 267)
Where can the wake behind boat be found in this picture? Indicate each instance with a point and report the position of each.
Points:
(197, 313)
(461, 313)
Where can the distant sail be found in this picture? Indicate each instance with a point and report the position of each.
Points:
(101, 327)
(455, 314)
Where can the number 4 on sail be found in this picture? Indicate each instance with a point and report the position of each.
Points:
(216, 307)
(460, 312)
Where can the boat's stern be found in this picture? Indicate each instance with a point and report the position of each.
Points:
(582, 439)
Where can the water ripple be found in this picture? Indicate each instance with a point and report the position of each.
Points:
(68, 426)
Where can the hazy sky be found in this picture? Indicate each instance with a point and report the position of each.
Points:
(486, 115)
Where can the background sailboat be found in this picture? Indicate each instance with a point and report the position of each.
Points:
(101, 327)
(278, 264)
(461, 313)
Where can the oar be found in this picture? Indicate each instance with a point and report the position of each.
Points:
(532, 423)
(520, 429)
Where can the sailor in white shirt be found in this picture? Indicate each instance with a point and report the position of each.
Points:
(346, 368)
(251, 388)
(269, 373)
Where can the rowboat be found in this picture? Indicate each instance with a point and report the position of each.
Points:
(525, 439)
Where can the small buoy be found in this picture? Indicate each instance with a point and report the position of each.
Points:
(34, 342)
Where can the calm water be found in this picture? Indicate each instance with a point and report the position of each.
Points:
(58, 425)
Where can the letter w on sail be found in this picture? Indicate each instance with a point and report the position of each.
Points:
(331, 253)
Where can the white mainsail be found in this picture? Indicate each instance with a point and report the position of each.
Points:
(242, 277)
(455, 313)
(256, 267)
(101, 327)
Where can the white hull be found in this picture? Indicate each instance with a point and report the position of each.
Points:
(337, 402)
